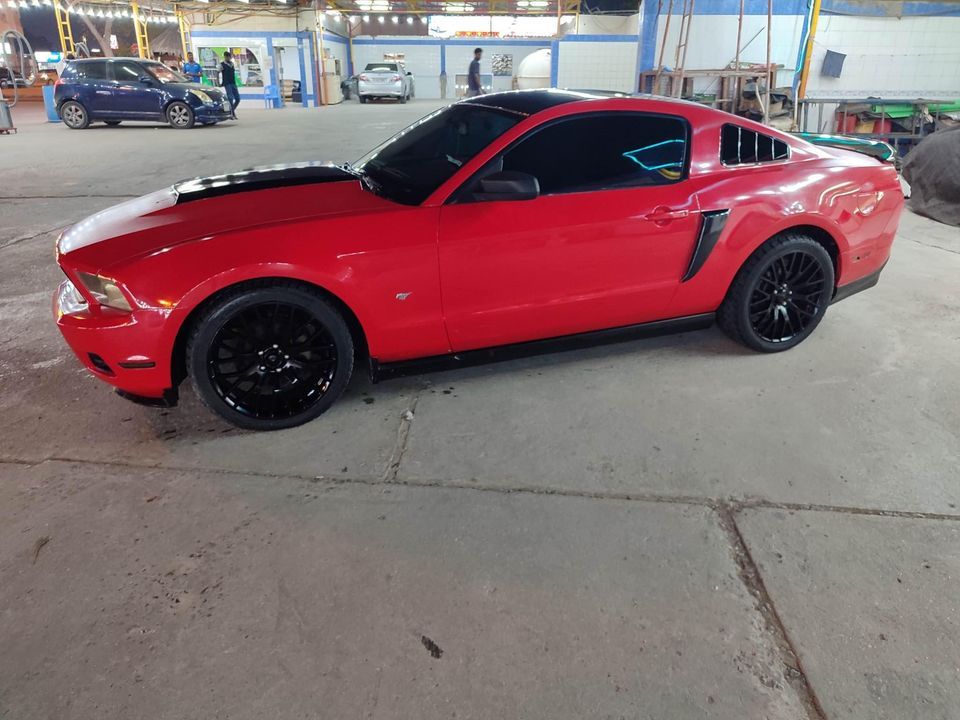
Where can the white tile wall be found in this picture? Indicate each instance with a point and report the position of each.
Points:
(459, 58)
(598, 66)
(909, 57)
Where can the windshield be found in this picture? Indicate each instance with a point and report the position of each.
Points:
(165, 74)
(418, 160)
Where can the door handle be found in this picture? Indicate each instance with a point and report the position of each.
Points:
(665, 214)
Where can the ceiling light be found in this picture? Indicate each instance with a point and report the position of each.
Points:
(410, 20)
(366, 18)
(78, 11)
(395, 19)
(380, 19)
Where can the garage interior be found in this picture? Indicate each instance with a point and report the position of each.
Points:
(662, 528)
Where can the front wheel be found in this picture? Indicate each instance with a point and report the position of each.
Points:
(180, 115)
(270, 357)
(74, 115)
(780, 294)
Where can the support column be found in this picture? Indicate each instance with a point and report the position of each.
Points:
(140, 28)
(184, 31)
(64, 30)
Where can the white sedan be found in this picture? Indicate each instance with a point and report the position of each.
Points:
(385, 80)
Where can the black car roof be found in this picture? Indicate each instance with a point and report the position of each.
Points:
(529, 102)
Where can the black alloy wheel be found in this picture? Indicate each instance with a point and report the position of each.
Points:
(780, 295)
(271, 357)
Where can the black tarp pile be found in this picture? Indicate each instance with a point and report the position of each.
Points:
(933, 170)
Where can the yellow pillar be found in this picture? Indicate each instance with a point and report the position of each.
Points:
(64, 30)
(805, 70)
(140, 28)
(184, 30)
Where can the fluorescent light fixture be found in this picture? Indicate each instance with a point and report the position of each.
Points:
(366, 18)
(409, 19)
(380, 19)
(395, 19)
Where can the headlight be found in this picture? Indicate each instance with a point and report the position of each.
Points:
(203, 97)
(69, 299)
(105, 291)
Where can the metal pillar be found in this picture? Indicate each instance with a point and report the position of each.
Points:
(140, 28)
(184, 31)
(64, 30)
(808, 52)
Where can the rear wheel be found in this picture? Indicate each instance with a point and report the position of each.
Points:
(780, 294)
(74, 115)
(270, 357)
(180, 115)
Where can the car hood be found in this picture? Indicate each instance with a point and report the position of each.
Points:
(206, 207)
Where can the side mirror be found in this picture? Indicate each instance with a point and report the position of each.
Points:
(508, 185)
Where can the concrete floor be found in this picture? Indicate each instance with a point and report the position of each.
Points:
(674, 528)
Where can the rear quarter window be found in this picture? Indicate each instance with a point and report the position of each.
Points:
(741, 146)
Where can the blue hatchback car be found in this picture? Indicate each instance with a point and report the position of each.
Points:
(113, 90)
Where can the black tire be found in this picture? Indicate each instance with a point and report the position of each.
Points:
(180, 115)
(403, 99)
(289, 347)
(74, 115)
(111, 123)
(780, 294)
(363, 99)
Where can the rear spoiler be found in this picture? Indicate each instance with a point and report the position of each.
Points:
(874, 148)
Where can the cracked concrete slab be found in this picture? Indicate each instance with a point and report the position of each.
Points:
(168, 595)
(871, 606)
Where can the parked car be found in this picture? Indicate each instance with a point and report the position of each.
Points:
(497, 222)
(9, 78)
(350, 87)
(385, 80)
(114, 90)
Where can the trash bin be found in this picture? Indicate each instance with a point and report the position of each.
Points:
(49, 104)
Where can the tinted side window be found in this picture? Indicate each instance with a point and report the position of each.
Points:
(126, 71)
(90, 70)
(603, 151)
(739, 146)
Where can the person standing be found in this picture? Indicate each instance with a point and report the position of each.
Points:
(192, 69)
(228, 78)
(474, 86)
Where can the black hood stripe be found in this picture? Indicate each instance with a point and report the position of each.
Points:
(263, 178)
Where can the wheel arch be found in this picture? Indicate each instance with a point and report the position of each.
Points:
(178, 365)
(823, 237)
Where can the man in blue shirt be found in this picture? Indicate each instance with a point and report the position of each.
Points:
(474, 86)
(192, 69)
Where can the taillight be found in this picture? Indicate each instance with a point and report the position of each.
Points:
(364, 77)
(395, 78)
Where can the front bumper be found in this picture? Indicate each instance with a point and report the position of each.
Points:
(120, 348)
(213, 112)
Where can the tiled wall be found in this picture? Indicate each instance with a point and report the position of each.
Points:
(912, 57)
(597, 65)
(460, 56)
(886, 57)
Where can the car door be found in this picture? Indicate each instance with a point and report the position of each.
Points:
(605, 243)
(95, 88)
(135, 99)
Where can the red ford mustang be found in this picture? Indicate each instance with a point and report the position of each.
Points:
(494, 223)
